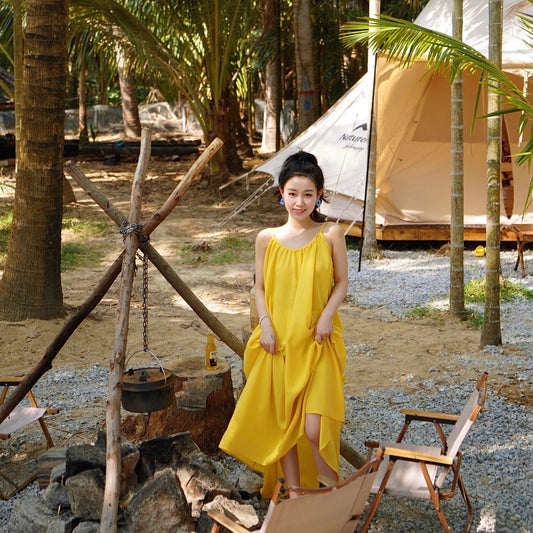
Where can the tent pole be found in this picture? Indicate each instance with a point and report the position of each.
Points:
(370, 128)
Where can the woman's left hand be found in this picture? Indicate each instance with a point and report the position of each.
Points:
(323, 329)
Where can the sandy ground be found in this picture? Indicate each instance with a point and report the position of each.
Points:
(404, 351)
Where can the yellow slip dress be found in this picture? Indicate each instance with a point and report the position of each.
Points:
(302, 377)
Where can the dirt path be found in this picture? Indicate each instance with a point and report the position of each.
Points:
(381, 352)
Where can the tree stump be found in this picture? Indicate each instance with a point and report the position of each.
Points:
(204, 405)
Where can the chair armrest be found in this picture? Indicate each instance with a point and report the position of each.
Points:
(429, 416)
(11, 381)
(413, 455)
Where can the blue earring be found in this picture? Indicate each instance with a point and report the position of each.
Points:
(318, 202)
(282, 201)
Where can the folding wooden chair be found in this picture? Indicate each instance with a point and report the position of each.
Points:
(16, 420)
(334, 509)
(523, 234)
(420, 471)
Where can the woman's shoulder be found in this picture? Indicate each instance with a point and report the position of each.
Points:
(333, 230)
(266, 233)
(264, 236)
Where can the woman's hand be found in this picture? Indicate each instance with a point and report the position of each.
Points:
(324, 328)
(268, 337)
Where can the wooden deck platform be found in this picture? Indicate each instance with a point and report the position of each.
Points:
(428, 232)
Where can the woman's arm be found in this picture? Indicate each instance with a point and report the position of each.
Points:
(268, 335)
(335, 237)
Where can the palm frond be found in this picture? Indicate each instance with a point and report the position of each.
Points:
(406, 42)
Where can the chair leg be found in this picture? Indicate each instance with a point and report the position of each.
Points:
(44, 427)
(520, 257)
(377, 498)
(435, 499)
(468, 505)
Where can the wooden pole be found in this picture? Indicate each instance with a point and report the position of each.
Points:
(108, 521)
(45, 363)
(162, 265)
(158, 216)
(355, 458)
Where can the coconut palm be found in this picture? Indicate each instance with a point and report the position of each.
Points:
(271, 35)
(192, 48)
(91, 57)
(206, 45)
(491, 333)
(31, 284)
(457, 284)
(406, 42)
(307, 94)
(369, 249)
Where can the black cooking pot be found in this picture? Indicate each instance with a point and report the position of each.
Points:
(148, 389)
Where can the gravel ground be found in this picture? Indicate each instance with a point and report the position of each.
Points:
(498, 469)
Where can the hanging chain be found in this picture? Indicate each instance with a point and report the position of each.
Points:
(145, 303)
(144, 259)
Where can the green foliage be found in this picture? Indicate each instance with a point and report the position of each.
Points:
(229, 249)
(420, 311)
(353, 243)
(113, 96)
(474, 319)
(6, 217)
(475, 291)
(509, 291)
(86, 227)
(73, 254)
(474, 294)
(80, 251)
(436, 315)
(403, 9)
(78, 255)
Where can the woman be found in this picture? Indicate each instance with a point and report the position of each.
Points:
(288, 419)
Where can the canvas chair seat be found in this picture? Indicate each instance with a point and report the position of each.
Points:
(334, 509)
(18, 419)
(406, 479)
(428, 472)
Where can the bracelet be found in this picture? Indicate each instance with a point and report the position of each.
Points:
(262, 317)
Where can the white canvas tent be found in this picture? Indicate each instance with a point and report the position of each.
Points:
(413, 137)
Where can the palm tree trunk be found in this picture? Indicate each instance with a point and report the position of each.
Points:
(130, 108)
(223, 127)
(370, 246)
(31, 284)
(307, 99)
(18, 50)
(491, 332)
(271, 129)
(457, 295)
(82, 105)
